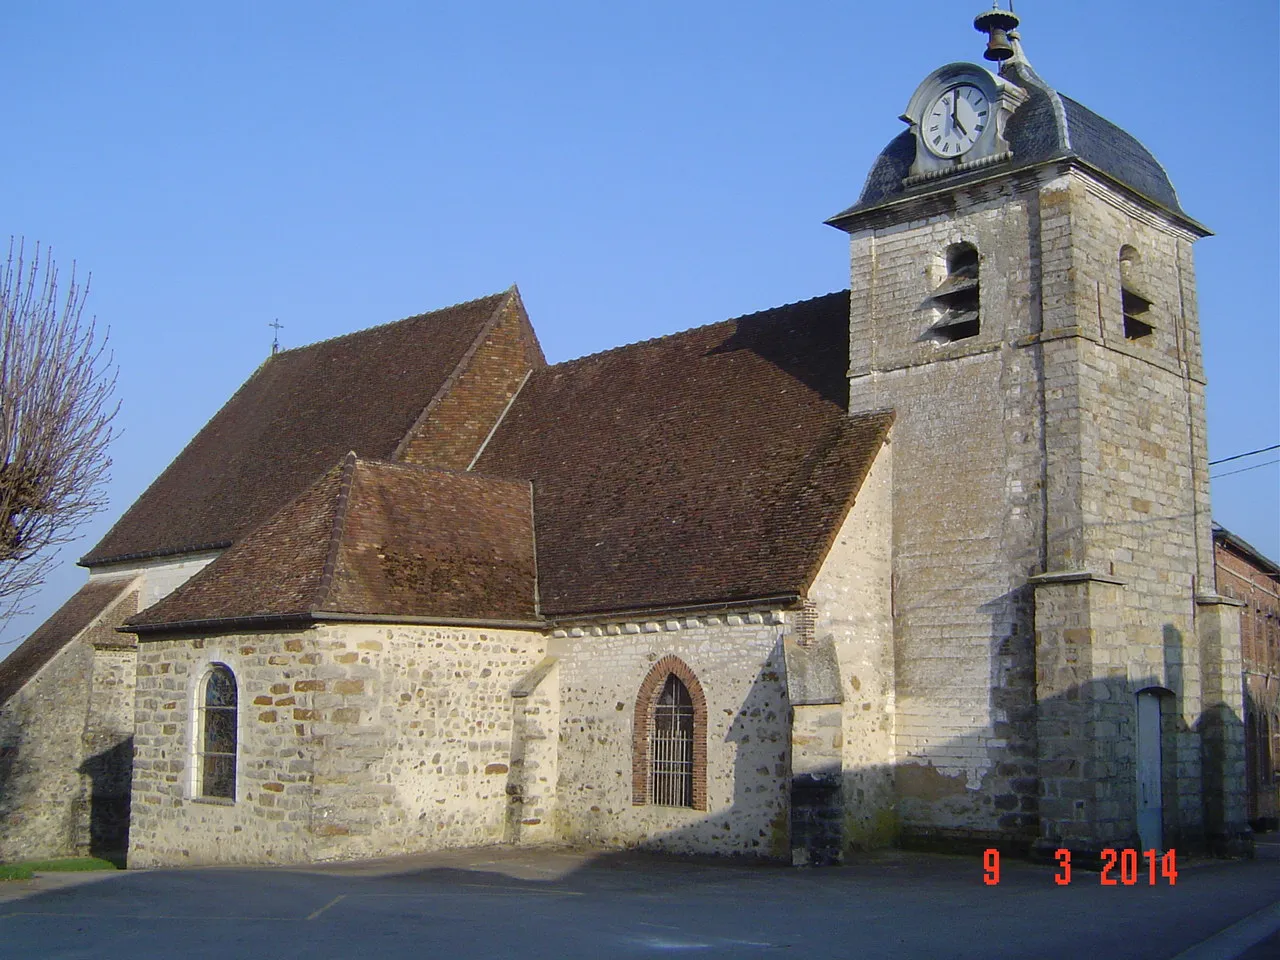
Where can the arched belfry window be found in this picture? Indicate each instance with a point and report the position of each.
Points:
(669, 750)
(1134, 306)
(216, 741)
(958, 297)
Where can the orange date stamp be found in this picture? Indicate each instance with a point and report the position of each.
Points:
(1119, 868)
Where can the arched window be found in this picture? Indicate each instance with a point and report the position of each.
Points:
(216, 737)
(958, 297)
(1133, 305)
(671, 747)
(669, 758)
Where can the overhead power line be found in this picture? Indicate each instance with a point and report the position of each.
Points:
(1243, 469)
(1241, 456)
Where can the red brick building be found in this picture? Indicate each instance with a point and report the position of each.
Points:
(1246, 575)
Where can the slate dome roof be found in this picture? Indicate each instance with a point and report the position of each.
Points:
(1049, 126)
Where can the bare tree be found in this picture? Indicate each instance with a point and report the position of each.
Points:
(57, 380)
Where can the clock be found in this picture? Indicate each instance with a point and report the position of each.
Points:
(955, 120)
(957, 117)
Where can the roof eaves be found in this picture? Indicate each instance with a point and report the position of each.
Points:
(1267, 565)
(221, 625)
(153, 554)
(936, 188)
(427, 619)
(1195, 226)
(658, 611)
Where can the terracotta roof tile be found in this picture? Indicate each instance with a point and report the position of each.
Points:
(67, 623)
(299, 413)
(372, 538)
(709, 466)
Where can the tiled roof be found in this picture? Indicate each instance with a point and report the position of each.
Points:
(1224, 537)
(299, 413)
(67, 623)
(1047, 127)
(710, 466)
(372, 538)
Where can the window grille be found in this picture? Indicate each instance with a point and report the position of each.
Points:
(216, 761)
(671, 748)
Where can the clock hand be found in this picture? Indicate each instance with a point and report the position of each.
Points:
(955, 113)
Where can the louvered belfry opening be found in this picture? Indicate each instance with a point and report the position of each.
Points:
(671, 748)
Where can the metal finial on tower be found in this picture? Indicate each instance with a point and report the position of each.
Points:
(996, 24)
(275, 343)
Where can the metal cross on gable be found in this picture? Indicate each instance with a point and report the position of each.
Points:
(275, 343)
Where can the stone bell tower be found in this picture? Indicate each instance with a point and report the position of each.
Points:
(1023, 296)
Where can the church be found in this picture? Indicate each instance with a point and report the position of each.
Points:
(926, 561)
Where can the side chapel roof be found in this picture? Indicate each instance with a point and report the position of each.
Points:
(371, 538)
(296, 416)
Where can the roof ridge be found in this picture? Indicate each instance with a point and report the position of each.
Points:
(335, 534)
(390, 323)
(459, 368)
(703, 326)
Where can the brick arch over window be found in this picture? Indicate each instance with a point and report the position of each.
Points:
(646, 704)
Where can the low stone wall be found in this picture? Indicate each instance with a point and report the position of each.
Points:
(42, 799)
(66, 748)
(354, 741)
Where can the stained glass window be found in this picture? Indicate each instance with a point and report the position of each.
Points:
(217, 753)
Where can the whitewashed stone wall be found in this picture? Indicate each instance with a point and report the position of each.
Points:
(158, 577)
(355, 741)
(737, 657)
(42, 796)
(65, 744)
(966, 504)
(535, 759)
(853, 594)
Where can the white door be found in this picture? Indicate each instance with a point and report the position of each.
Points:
(1150, 807)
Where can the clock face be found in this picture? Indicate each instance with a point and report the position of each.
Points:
(955, 121)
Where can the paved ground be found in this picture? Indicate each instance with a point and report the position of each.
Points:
(563, 904)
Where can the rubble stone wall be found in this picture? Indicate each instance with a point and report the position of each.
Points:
(355, 740)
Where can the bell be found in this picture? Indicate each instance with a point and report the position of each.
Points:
(999, 48)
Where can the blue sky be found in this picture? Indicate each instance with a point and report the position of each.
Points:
(636, 168)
